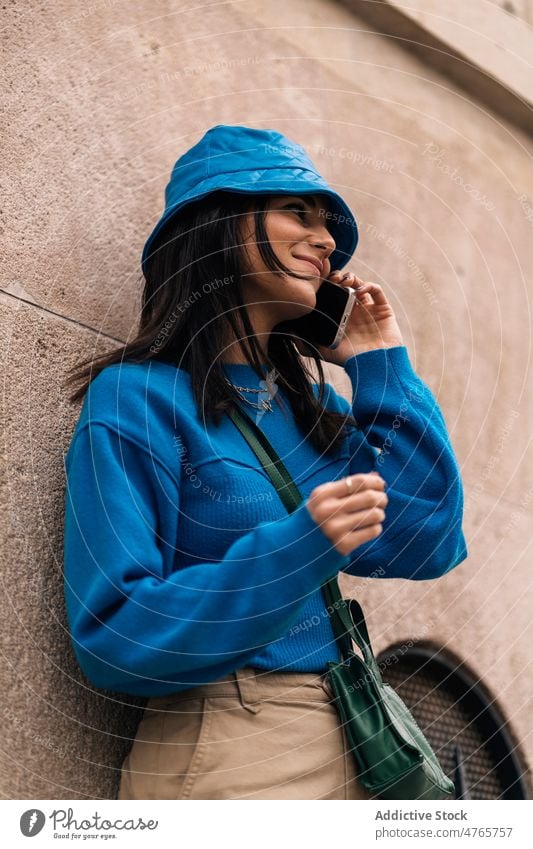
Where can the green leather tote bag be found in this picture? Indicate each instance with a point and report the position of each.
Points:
(392, 756)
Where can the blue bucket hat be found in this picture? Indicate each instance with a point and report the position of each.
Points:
(243, 159)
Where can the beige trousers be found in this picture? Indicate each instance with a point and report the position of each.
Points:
(253, 734)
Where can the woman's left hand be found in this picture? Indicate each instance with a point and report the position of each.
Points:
(372, 323)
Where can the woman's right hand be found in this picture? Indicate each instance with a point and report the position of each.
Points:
(349, 518)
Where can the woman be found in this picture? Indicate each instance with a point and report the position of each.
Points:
(186, 580)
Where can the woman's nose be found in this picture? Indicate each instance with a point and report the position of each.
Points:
(323, 236)
(324, 240)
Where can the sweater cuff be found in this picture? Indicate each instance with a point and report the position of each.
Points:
(370, 371)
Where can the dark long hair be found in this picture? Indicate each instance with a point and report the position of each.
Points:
(199, 252)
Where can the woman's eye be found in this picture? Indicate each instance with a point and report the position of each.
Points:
(299, 209)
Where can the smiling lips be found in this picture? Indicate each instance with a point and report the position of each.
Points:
(316, 262)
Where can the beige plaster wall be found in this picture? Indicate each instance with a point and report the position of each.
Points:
(481, 46)
(100, 102)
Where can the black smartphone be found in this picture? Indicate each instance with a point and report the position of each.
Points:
(325, 324)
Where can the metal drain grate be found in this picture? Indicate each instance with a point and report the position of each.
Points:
(466, 730)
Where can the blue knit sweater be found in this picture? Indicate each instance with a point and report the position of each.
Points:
(182, 564)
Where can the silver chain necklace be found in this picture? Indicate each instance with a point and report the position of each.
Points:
(266, 403)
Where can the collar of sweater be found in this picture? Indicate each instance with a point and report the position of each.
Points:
(244, 374)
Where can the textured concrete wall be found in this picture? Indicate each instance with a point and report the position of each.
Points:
(100, 102)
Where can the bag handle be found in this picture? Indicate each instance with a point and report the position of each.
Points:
(347, 622)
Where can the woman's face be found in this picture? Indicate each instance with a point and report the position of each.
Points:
(296, 228)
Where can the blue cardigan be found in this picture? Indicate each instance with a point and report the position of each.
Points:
(181, 563)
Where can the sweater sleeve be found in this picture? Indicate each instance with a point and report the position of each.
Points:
(144, 629)
(403, 436)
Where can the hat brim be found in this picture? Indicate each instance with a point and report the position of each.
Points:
(341, 222)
